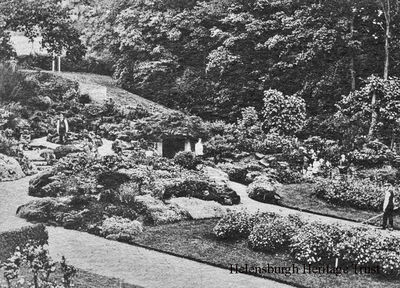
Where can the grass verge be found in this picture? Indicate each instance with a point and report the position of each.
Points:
(302, 197)
(194, 240)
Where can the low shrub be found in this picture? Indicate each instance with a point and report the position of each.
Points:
(127, 192)
(187, 160)
(202, 189)
(156, 212)
(272, 235)
(360, 247)
(313, 242)
(372, 154)
(285, 175)
(8, 146)
(263, 190)
(358, 193)
(236, 173)
(316, 242)
(35, 259)
(236, 225)
(118, 228)
(12, 239)
(386, 173)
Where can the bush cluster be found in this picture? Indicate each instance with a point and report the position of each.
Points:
(187, 160)
(236, 173)
(201, 188)
(357, 193)
(285, 175)
(34, 258)
(118, 228)
(313, 242)
(19, 238)
(236, 225)
(263, 190)
(273, 235)
(372, 154)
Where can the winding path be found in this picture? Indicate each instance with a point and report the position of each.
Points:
(253, 206)
(132, 264)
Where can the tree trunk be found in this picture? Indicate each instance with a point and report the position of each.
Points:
(353, 74)
(374, 117)
(387, 51)
(352, 71)
(386, 12)
(392, 141)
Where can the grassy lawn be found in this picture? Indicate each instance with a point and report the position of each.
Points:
(121, 97)
(83, 279)
(301, 196)
(194, 239)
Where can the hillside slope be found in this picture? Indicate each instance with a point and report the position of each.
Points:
(101, 87)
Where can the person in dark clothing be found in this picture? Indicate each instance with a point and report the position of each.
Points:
(62, 128)
(388, 207)
(343, 166)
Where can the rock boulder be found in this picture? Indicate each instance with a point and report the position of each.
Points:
(37, 183)
(10, 169)
(42, 210)
(64, 150)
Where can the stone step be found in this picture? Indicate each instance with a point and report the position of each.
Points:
(44, 167)
(41, 163)
(37, 160)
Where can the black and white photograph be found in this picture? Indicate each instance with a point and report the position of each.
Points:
(199, 143)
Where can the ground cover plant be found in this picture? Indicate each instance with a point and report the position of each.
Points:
(20, 238)
(110, 195)
(357, 193)
(196, 240)
(319, 243)
(31, 266)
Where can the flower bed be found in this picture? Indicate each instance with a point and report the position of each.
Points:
(314, 242)
(80, 191)
(358, 193)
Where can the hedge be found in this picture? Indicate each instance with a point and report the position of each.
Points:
(11, 239)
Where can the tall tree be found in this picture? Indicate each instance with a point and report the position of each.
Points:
(45, 18)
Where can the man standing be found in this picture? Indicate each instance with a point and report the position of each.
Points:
(388, 207)
(62, 128)
(343, 166)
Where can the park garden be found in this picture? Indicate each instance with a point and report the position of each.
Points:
(295, 106)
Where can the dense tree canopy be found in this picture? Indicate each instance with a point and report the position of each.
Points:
(48, 19)
(213, 58)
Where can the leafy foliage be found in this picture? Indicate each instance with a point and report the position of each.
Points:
(283, 114)
(48, 19)
(357, 193)
(186, 159)
(273, 235)
(36, 258)
(236, 225)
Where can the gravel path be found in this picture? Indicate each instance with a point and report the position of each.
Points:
(253, 206)
(132, 264)
(12, 195)
(143, 267)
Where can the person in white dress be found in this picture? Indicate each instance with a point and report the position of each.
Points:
(198, 148)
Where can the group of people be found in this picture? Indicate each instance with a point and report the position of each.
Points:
(316, 166)
(319, 166)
